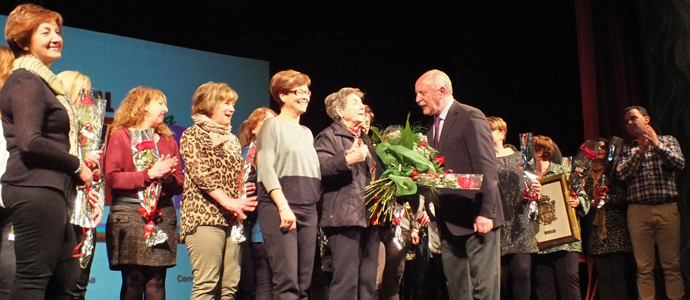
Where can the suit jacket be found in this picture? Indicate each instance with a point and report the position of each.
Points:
(467, 145)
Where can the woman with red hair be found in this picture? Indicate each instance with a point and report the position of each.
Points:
(43, 168)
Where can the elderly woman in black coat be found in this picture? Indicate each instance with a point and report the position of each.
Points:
(347, 158)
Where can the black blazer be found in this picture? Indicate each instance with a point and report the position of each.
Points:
(467, 145)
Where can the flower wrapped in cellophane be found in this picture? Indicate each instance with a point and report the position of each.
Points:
(409, 162)
(582, 165)
(145, 154)
(529, 173)
(90, 115)
(237, 234)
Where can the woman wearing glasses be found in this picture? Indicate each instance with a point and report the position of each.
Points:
(289, 187)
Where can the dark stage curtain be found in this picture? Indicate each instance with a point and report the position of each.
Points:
(665, 41)
(641, 57)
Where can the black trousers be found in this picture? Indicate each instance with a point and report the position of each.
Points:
(611, 269)
(8, 263)
(355, 258)
(78, 292)
(515, 276)
(558, 274)
(424, 274)
(394, 264)
(471, 264)
(43, 244)
(263, 274)
(290, 253)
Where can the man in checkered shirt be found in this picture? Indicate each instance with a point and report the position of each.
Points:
(648, 165)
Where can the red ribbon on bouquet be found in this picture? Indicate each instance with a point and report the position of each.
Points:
(150, 218)
(374, 216)
(84, 131)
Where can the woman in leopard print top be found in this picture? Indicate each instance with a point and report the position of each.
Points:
(210, 203)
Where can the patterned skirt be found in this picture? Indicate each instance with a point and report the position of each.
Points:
(124, 234)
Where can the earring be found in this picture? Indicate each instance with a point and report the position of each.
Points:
(26, 48)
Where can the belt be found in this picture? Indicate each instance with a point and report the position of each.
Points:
(126, 200)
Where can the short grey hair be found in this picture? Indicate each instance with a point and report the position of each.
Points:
(440, 79)
(337, 99)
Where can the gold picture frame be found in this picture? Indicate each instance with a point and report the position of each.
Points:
(557, 224)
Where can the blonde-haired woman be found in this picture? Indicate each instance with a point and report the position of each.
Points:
(211, 201)
(143, 268)
(76, 84)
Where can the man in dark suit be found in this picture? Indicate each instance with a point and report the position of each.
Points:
(469, 220)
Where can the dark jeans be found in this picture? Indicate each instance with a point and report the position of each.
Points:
(395, 263)
(78, 292)
(43, 244)
(290, 253)
(515, 276)
(8, 263)
(262, 272)
(612, 276)
(355, 256)
(245, 288)
(558, 274)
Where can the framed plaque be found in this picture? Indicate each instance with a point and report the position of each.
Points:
(557, 224)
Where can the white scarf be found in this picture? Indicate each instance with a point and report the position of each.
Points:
(33, 65)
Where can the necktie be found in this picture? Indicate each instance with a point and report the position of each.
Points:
(437, 122)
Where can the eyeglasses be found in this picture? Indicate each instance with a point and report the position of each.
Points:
(300, 93)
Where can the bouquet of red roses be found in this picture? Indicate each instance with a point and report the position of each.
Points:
(90, 115)
(145, 154)
(410, 162)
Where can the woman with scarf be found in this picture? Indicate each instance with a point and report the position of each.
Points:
(143, 265)
(212, 207)
(43, 168)
(605, 227)
(347, 158)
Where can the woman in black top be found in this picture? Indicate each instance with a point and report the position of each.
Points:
(346, 157)
(43, 168)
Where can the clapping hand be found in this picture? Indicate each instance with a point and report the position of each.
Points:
(163, 167)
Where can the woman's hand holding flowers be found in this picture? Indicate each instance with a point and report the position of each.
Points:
(94, 158)
(239, 206)
(536, 186)
(251, 188)
(86, 176)
(97, 210)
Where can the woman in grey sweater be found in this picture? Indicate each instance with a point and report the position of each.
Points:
(289, 187)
